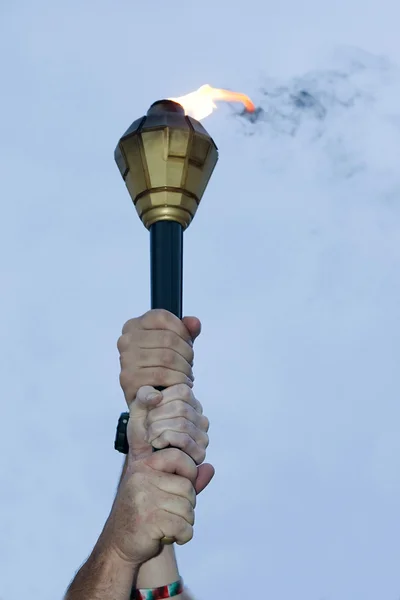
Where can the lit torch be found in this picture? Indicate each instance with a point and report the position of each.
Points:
(201, 103)
(166, 160)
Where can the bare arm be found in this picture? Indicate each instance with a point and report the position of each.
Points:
(159, 570)
(104, 575)
(111, 574)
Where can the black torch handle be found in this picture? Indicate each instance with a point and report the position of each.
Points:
(166, 271)
(166, 266)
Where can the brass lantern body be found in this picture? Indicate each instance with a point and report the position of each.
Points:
(166, 160)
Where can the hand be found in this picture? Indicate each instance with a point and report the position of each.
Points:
(173, 417)
(156, 349)
(156, 498)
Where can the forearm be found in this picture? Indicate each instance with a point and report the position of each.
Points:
(161, 570)
(104, 576)
(158, 571)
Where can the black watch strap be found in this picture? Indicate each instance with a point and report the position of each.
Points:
(121, 438)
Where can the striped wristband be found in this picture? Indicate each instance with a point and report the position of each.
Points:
(165, 591)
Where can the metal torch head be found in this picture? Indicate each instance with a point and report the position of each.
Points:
(166, 160)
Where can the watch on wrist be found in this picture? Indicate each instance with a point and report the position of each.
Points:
(121, 438)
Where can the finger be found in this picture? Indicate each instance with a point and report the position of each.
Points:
(163, 357)
(183, 393)
(205, 473)
(193, 325)
(175, 527)
(178, 425)
(177, 486)
(179, 506)
(163, 338)
(162, 319)
(183, 441)
(172, 460)
(155, 376)
(131, 325)
(175, 409)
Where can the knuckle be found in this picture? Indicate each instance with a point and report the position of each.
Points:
(146, 318)
(186, 440)
(189, 513)
(183, 409)
(191, 356)
(185, 534)
(130, 324)
(205, 423)
(122, 343)
(187, 489)
(125, 380)
(160, 316)
(183, 441)
(182, 425)
(201, 456)
(164, 437)
(184, 392)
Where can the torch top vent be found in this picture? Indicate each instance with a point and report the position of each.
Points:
(162, 106)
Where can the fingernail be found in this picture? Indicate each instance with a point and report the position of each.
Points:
(152, 396)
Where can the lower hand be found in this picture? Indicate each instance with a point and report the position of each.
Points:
(156, 499)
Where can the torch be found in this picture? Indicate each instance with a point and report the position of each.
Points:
(166, 159)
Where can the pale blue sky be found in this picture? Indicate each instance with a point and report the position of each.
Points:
(292, 263)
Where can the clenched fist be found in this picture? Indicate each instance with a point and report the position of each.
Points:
(156, 349)
(156, 498)
(173, 417)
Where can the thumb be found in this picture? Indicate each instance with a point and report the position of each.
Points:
(193, 325)
(205, 473)
(146, 398)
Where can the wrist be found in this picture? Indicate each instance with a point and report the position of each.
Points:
(113, 556)
(171, 590)
(117, 558)
(107, 548)
(159, 570)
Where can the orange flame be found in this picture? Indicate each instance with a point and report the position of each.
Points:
(200, 104)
